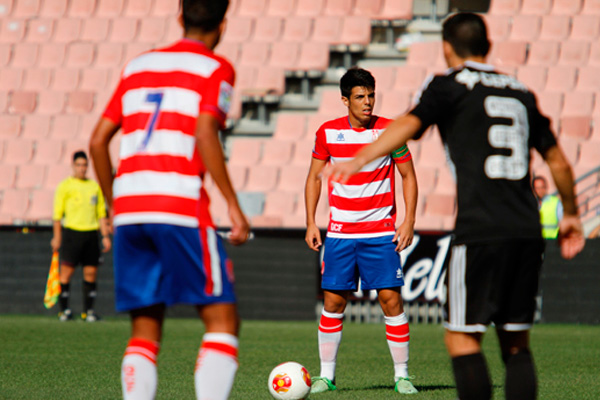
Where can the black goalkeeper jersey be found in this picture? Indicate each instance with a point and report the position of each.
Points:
(488, 123)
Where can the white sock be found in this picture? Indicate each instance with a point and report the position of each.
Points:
(216, 366)
(138, 370)
(397, 333)
(330, 337)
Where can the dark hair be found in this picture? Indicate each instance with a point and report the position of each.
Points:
(204, 15)
(79, 154)
(356, 77)
(467, 34)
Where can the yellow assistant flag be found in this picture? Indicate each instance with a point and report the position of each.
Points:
(53, 283)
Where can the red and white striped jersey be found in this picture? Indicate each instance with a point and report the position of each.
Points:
(365, 206)
(157, 102)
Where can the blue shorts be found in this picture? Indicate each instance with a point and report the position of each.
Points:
(168, 264)
(374, 260)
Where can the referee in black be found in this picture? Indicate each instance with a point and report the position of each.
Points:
(79, 219)
(488, 123)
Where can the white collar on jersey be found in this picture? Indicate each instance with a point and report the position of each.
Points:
(478, 65)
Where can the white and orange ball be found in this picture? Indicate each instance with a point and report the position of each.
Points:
(289, 381)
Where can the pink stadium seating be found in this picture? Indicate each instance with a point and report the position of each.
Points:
(268, 29)
(238, 175)
(36, 126)
(356, 30)
(255, 54)
(504, 7)
(561, 79)
(8, 174)
(279, 204)
(525, 27)
(30, 176)
(550, 104)
(65, 79)
(427, 178)
(591, 7)
(3, 101)
(297, 29)
(54, 9)
(432, 152)
(277, 152)
(41, 207)
(499, 27)
(588, 80)
(570, 148)
(292, 177)
(80, 102)
(331, 103)
(314, 123)
(424, 53)
(555, 27)
(392, 103)
(95, 79)
(82, 8)
(384, 77)
(578, 104)
(313, 56)
(11, 126)
(585, 27)
(440, 204)
(566, 7)
(246, 152)
(109, 55)
(67, 29)
(25, 9)
(262, 178)
(281, 8)
(445, 182)
(137, 8)
(36, 79)
(135, 49)
(508, 53)
(536, 7)
(284, 55)
(245, 79)
(303, 151)
(589, 156)
(338, 7)
(229, 50)
(109, 8)
(543, 53)
(534, 77)
(65, 127)
(252, 8)
(56, 173)
(71, 147)
(11, 79)
(152, 29)
(290, 126)
(22, 102)
(15, 203)
(18, 151)
(124, 30)
(48, 151)
(79, 55)
(310, 8)
(12, 31)
(51, 102)
(576, 127)
(166, 7)
(5, 54)
(368, 8)
(574, 53)
(239, 29)
(40, 30)
(52, 55)
(396, 10)
(270, 81)
(327, 29)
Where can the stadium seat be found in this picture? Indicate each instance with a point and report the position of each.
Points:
(570, 148)
(48, 151)
(432, 152)
(338, 7)
(11, 126)
(290, 126)
(66, 29)
(71, 146)
(310, 8)
(18, 151)
(297, 29)
(109, 55)
(574, 53)
(561, 78)
(262, 178)
(534, 77)
(585, 28)
(5, 54)
(109, 8)
(52, 55)
(51, 102)
(578, 127)
(588, 79)
(40, 30)
(543, 53)
(8, 175)
(303, 152)
(124, 30)
(331, 103)
(578, 104)
(281, 8)
(550, 103)
(11, 79)
(396, 10)
(251, 8)
(54, 9)
(42, 205)
(36, 126)
(536, 7)
(384, 77)
(279, 204)
(315, 121)
(504, 7)
(82, 8)
(30, 176)
(246, 152)
(424, 53)
(238, 175)
(152, 29)
(22, 102)
(65, 79)
(392, 103)
(135, 49)
(446, 184)
(591, 7)
(79, 55)
(499, 27)
(555, 27)
(239, 29)
(167, 7)
(508, 53)
(26, 9)
(3, 101)
(95, 79)
(229, 50)
(284, 55)
(65, 127)
(566, 7)
(269, 81)
(368, 8)
(427, 179)
(525, 28)
(292, 178)
(440, 204)
(255, 54)
(589, 155)
(57, 173)
(313, 57)
(137, 8)
(12, 31)
(355, 31)
(245, 79)
(268, 29)
(15, 203)
(36, 79)
(327, 29)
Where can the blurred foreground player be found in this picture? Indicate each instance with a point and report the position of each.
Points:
(170, 105)
(488, 122)
(79, 215)
(362, 240)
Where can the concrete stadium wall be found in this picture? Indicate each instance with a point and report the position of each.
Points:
(277, 277)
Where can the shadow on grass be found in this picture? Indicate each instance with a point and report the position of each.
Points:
(420, 388)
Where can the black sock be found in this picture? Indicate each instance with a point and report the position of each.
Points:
(521, 382)
(89, 295)
(472, 377)
(63, 299)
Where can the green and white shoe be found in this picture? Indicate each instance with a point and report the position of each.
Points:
(320, 384)
(405, 386)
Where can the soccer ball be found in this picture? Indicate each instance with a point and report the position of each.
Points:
(289, 381)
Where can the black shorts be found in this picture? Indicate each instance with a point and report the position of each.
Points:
(80, 247)
(492, 282)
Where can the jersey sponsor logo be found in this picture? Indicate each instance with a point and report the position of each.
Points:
(340, 137)
(375, 134)
(336, 227)
(399, 274)
(225, 94)
(471, 78)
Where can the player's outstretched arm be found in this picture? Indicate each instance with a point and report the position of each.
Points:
(101, 137)
(405, 232)
(312, 192)
(570, 233)
(209, 146)
(395, 136)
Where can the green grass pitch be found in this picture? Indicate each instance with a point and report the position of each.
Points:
(41, 358)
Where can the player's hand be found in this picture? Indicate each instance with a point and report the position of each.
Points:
(240, 228)
(404, 236)
(570, 236)
(313, 237)
(106, 244)
(341, 172)
(55, 244)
